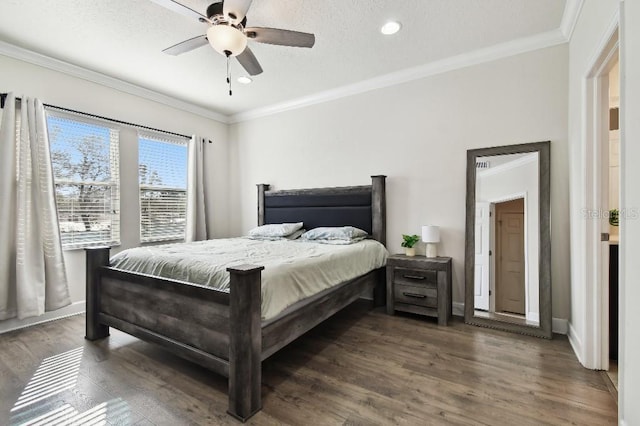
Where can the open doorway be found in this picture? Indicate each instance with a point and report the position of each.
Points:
(611, 187)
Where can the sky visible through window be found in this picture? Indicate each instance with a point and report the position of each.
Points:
(162, 163)
(166, 161)
(80, 151)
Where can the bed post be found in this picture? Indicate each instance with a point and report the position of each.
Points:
(379, 208)
(95, 258)
(262, 188)
(245, 341)
(379, 230)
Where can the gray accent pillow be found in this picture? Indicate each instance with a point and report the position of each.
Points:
(293, 236)
(275, 230)
(330, 233)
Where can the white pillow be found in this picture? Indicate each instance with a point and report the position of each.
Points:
(275, 230)
(341, 233)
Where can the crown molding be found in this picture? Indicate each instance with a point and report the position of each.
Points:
(488, 54)
(15, 52)
(570, 16)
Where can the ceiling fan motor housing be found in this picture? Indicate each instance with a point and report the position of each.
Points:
(216, 9)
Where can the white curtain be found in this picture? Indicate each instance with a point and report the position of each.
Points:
(196, 229)
(33, 278)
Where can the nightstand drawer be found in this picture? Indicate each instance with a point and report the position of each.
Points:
(422, 277)
(416, 295)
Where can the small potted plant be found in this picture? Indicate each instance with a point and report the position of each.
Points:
(408, 242)
(614, 217)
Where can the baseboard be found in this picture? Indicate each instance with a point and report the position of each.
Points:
(15, 324)
(576, 343)
(560, 326)
(457, 309)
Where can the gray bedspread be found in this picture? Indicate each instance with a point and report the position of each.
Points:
(293, 270)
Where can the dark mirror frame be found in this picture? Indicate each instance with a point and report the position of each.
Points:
(544, 156)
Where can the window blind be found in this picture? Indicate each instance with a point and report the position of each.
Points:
(84, 155)
(162, 173)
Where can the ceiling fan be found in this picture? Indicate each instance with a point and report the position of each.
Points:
(228, 33)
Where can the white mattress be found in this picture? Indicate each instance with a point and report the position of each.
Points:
(293, 270)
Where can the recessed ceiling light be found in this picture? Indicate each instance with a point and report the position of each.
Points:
(244, 80)
(390, 27)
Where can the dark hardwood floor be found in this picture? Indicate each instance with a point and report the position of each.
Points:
(360, 367)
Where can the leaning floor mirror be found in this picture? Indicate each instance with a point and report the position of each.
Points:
(508, 241)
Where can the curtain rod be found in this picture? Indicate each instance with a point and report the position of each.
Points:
(3, 97)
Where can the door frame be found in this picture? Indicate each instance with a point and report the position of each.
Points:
(596, 134)
(486, 244)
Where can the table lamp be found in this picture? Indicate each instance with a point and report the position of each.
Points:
(431, 236)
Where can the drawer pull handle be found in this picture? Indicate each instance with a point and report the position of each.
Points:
(414, 277)
(417, 296)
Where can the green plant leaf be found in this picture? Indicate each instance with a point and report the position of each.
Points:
(409, 240)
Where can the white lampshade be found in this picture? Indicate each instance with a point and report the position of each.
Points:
(226, 38)
(430, 234)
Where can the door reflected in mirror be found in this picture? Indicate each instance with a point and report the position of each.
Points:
(507, 238)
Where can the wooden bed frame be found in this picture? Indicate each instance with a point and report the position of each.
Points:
(224, 331)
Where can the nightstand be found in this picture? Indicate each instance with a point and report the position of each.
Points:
(420, 285)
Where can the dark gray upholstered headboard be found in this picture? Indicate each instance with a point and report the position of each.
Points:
(361, 206)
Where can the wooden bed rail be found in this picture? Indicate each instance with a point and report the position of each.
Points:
(219, 330)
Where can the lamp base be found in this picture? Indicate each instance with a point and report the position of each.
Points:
(432, 250)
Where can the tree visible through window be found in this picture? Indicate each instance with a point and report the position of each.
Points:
(84, 156)
(162, 172)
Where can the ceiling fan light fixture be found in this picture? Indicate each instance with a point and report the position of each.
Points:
(244, 79)
(227, 38)
(390, 28)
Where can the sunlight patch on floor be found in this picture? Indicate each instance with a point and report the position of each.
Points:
(113, 411)
(54, 375)
(39, 406)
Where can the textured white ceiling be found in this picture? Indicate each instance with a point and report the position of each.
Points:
(124, 39)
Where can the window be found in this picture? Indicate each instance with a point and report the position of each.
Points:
(84, 155)
(162, 172)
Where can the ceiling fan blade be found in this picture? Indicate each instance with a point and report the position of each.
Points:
(181, 9)
(280, 37)
(249, 62)
(236, 9)
(186, 46)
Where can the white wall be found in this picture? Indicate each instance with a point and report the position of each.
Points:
(496, 184)
(64, 90)
(417, 134)
(630, 228)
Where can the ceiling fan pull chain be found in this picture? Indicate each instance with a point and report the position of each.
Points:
(229, 74)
